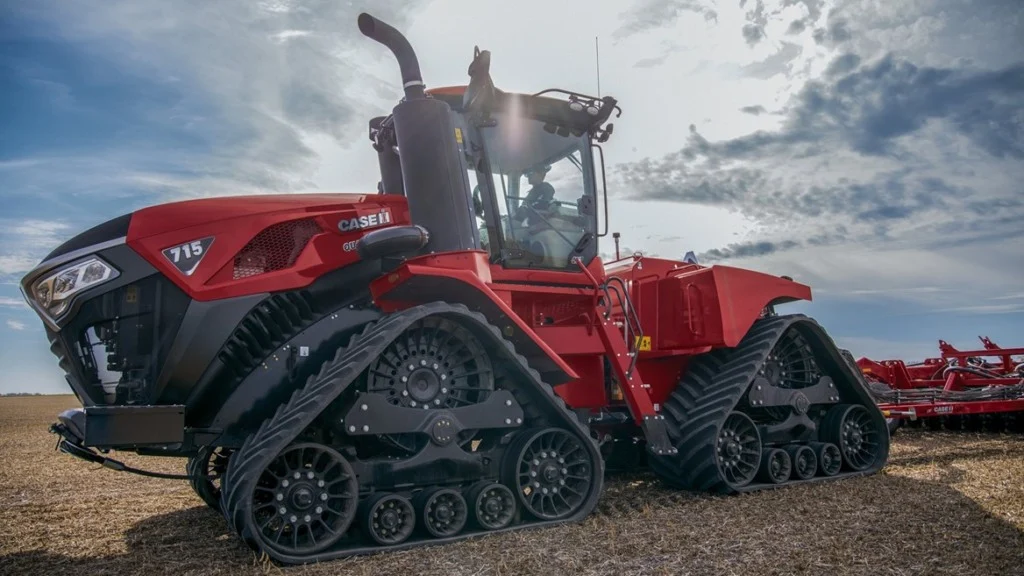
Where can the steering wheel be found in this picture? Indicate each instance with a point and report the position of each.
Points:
(551, 226)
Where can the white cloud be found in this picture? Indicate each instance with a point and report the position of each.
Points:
(8, 302)
(16, 263)
(36, 228)
(16, 325)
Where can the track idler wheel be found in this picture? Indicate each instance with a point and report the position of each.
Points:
(388, 519)
(305, 500)
(205, 471)
(738, 450)
(830, 458)
(805, 461)
(551, 471)
(851, 428)
(443, 511)
(776, 466)
(493, 505)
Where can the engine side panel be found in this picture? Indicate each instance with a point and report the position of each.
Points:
(228, 247)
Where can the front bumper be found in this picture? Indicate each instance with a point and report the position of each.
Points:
(123, 427)
(72, 430)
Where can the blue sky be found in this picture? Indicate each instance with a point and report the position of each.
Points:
(873, 151)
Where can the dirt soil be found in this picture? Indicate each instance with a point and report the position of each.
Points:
(947, 503)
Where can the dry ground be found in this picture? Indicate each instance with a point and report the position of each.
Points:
(946, 504)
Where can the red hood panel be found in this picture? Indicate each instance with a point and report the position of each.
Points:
(303, 237)
(177, 216)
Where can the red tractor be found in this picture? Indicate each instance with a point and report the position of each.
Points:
(447, 357)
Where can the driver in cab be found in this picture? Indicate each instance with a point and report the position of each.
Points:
(539, 197)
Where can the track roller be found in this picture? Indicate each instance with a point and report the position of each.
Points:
(492, 505)
(830, 459)
(738, 450)
(776, 466)
(805, 462)
(442, 511)
(388, 519)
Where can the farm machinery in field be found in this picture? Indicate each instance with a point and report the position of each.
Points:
(971, 390)
(448, 357)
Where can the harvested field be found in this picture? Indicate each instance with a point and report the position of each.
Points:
(946, 504)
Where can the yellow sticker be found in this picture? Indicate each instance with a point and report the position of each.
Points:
(644, 343)
(458, 135)
(131, 294)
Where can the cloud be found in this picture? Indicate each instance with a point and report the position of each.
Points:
(878, 154)
(176, 101)
(16, 325)
(652, 62)
(836, 33)
(652, 14)
(747, 249)
(753, 33)
(755, 110)
(797, 26)
(8, 302)
(777, 63)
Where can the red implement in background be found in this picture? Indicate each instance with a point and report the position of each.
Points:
(972, 389)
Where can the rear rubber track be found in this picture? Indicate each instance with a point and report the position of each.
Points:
(714, 385)
(336, 375)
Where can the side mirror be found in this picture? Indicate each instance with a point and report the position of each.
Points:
(604, 189)
(479, 94)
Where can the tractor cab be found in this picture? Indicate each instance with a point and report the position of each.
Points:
(531, 163)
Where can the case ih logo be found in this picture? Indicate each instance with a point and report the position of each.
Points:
(382, 218)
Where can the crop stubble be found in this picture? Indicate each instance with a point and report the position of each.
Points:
(946, 504)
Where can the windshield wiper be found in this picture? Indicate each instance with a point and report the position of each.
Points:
(575, 162)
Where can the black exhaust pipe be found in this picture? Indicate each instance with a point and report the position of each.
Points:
(433, 173)
(412, 79)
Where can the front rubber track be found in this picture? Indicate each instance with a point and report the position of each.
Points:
(713, 386)
(307, 402)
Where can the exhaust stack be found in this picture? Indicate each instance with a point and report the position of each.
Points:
(434, 177)
(412, 79)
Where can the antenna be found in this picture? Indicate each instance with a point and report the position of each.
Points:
(597, 56)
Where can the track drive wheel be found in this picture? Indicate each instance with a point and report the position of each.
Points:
(305, 500)
(851, 428)
(551, 471)
(205, 471)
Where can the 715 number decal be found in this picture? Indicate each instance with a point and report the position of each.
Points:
(186, 257)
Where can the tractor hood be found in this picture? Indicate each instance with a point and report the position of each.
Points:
(177, 216)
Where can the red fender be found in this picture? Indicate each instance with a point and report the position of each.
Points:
(462, 277)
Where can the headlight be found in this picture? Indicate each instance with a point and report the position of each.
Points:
(53, 293)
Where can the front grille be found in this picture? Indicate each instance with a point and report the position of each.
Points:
(115, 346)
(275, 248)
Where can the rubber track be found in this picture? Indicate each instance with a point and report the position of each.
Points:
(196, 469)
(307, 402)
(713, 385)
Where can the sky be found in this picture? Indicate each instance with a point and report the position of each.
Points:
(874, 150)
